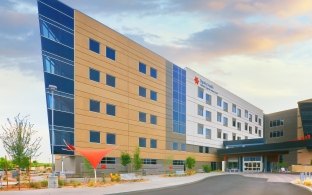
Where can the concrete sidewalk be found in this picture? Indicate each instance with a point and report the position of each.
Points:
(153, 182)
(273, 177)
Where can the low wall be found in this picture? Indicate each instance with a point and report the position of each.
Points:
(301, 168)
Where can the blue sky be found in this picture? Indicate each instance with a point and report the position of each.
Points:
(259, 50)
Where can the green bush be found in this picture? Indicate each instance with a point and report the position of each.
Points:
(207, 168)
(61, 183)
(190, 162)
(44, 183)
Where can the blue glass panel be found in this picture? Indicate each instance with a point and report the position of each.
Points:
(153, 143)
(142, 117)
(153, 72)
(153, 95)
(142, 68)
(175, 116)
(142, 91)
(60, 103)
(61, 118)
(55, 15)
(56, 34)
(60, 150)
(56, 48)
(94, 75)
(153, 119)
(60, 6)
(110, 109)
(63, 84)
(110, 53)
(110, 138)
(142, 142)
(94, 106)
(94, 46)
(110, 80)
(95, 136)
(60, 136)
(57, 67)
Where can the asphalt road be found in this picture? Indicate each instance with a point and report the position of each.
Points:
(229, 185)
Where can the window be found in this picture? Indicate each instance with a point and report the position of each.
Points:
(200, 110)
(275, 123)
(94, 106)
(208, 133)
(278, 133)
(259, 122)
(234, 108)
(175, 146)
(207, 150)
(225, 106)
(219, 117)
(177, 162)
(108, 160)
(256, 118)
(219, 133)
(142, 117)
(110, 53)
(110, 80)
(142, 91)
(219, 101)
(250, 117)
(246, 113)
(225, 136)
(208, 99)
(200, 93)
(239, 112)
(260, 133)
(142, 68)
(225, 121)
(153, 143)
(201, 149)
(233, 136)
(183, 147)
(239, 126)
(246, 126)
(153, 95)
(95, 136)
(94, 46)
(256, 130)
(142, 142)
(234, 122)
(94, 75)
(111, 109)
(208, 115)
(200, 129)
(153, 72)
(110, 138)
(148, 161)
(153, 119)
(250, 129)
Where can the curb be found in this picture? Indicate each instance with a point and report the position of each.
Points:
(302, 186)
(166, 187)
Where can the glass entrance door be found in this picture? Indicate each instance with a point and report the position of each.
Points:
(252, 164)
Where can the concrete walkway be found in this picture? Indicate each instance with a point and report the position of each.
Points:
(273, 177)
(153, 182)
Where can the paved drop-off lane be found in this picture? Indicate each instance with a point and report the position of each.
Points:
(230, 185)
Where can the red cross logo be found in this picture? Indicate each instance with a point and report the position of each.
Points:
(196, 80)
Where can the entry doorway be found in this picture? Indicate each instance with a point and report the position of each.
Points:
(252, 164)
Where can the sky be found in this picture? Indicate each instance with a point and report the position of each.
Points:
(261, 50)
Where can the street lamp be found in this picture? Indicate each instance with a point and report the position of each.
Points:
(52, 89)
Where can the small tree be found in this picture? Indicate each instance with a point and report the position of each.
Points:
(137, 161)
(190, 162)
(168, 163)
(19, 142)
(87, 168)
(125, 159)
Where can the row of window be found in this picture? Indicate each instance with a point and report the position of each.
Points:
(95, 137)
(112, 160)
(95, 106)
(142, 143)
(277, 123)
(142, 118)
(175, 146)
(279, 133)
(224, 136)
(142, 69)
(225, 106)
(142, 93)
(203, 149)
(94, 75)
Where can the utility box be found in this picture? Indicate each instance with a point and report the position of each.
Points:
(52, 181)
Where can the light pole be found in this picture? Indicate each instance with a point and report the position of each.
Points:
(52, 89)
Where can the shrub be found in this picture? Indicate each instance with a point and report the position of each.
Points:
(61, 183)
(91, 183)
(307, 182)
(137, 161)
(115, 177)
(190, 172)
(190, 162)
(44, 183)
(125, 159)
(207, 168)
(74, 183)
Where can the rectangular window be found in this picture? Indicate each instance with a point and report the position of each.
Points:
(153, 73)
(219, 101)
(94, 46)
(200, 129)
(175, 146)
(94, 75)
(225, 106)
(153, 95)
(110, 138)
(207, 150)
(208, 115)
(142, 142)
(233, 136)
(94, 106)
(142, 117)
(239, 126)
(183, 147)
(219, 133)
(95, 136)
(250, 129)
(208, 133)
(260, 133)
(219, 117)
(246, 113)
(256, 118)
(201, 149)
(200, 93)
(250, 117)
(148, 161)
(153, 143)
(234, 108)
(111, 109)
(110, 80)
(259, 122)
(233, 122)
(225, 121)
(142, 68)
(177, 162)
(153, 119)
(200, 110)
(239, 112)
(110, 53)
(142, 91)
(108, 160)
(225, 136)
(256, 130)
(246, 126)
(208, 99)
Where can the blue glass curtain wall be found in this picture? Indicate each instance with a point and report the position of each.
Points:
(56, 22)
(179, 99)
